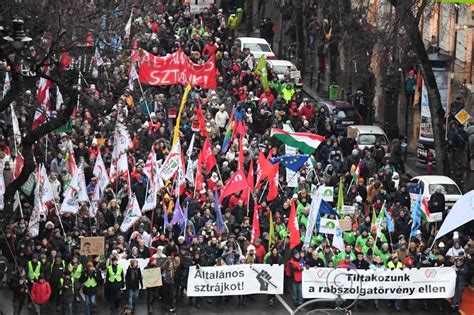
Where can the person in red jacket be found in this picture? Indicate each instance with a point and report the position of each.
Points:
(259, 250)
(267, 96)
(306, 109)
(296, 268)
(41, 292)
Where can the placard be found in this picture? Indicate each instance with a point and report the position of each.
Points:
(295, 74)
(435, 217)
(348, 210)
(152, 278)
(424, 283)
(345, 224)
(92, 245)
(235, 280)
(327, 226)
(328, 194)
(351, 133)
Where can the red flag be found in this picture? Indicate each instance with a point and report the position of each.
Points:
(134, 56)
(239, 129)
(293, 226)
(65, 60)
(250, 175)
(200, 118)
(19, 162)
(241, 154)
(207, 156)
(273, 183)
(198, 181)
(237, 182)
(255, 224)
(264, 169)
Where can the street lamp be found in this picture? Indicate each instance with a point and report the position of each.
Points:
(18, 36)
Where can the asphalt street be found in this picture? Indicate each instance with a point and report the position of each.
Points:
(258, 306)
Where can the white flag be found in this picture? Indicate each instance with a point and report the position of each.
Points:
(122, 143)
(6, 84)
(38, 208)
(101, 173)
(337, 240)
(59, 99)
(75, 193)
(461, 213)
(316, 197)
(133, 76)
(16, 126)
(94, 202)
(151, 199)
(128, 26)
(150, 165)
(45, 189)
(189, 152)
(2, 189)
(189, 172)
(172, 162)
(133, 214)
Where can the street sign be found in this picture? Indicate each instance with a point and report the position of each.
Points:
(463, 117)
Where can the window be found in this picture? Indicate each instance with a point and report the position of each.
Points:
(370, 139)
(447, 189)
(258, 47)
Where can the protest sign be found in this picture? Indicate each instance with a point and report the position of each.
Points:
(345, 224)
(348, 210)
(235, 280)
(436, 217)
(152, 278)
(424, 283)
(176, 68)
(92, 245)
(328, 194)
(125, 263)
(327, 226)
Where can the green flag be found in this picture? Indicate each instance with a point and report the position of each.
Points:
(261, 70)
(340, 197)
(66, 128)
(271, 232)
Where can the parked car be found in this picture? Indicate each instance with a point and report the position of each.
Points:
(344, 114)
(367, 135)
(257, 46)
(280, 67)
(428, 184)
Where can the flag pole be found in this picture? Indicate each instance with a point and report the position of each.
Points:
(263, 191)
(59, 217)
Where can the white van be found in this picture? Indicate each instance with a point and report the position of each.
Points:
(428, 183)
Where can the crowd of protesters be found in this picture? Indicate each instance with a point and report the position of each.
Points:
(48, 270)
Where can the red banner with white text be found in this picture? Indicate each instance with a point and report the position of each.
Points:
(176, 68)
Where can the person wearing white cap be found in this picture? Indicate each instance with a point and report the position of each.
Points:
(221, 118)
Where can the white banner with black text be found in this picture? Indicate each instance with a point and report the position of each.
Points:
(235, 280)
(424, 283)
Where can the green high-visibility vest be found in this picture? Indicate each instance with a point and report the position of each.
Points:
(34, 274)
(90, 283)
(75, 274)
(114, 277)
(61, 281)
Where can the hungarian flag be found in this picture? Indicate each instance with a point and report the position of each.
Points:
(357, 172)
(207, 157)
(172, 162)
(255, 224)
(293, 227)
(304, 141)
(425, 211)
(237, 182)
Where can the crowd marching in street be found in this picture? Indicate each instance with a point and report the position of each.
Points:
(240, 169)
